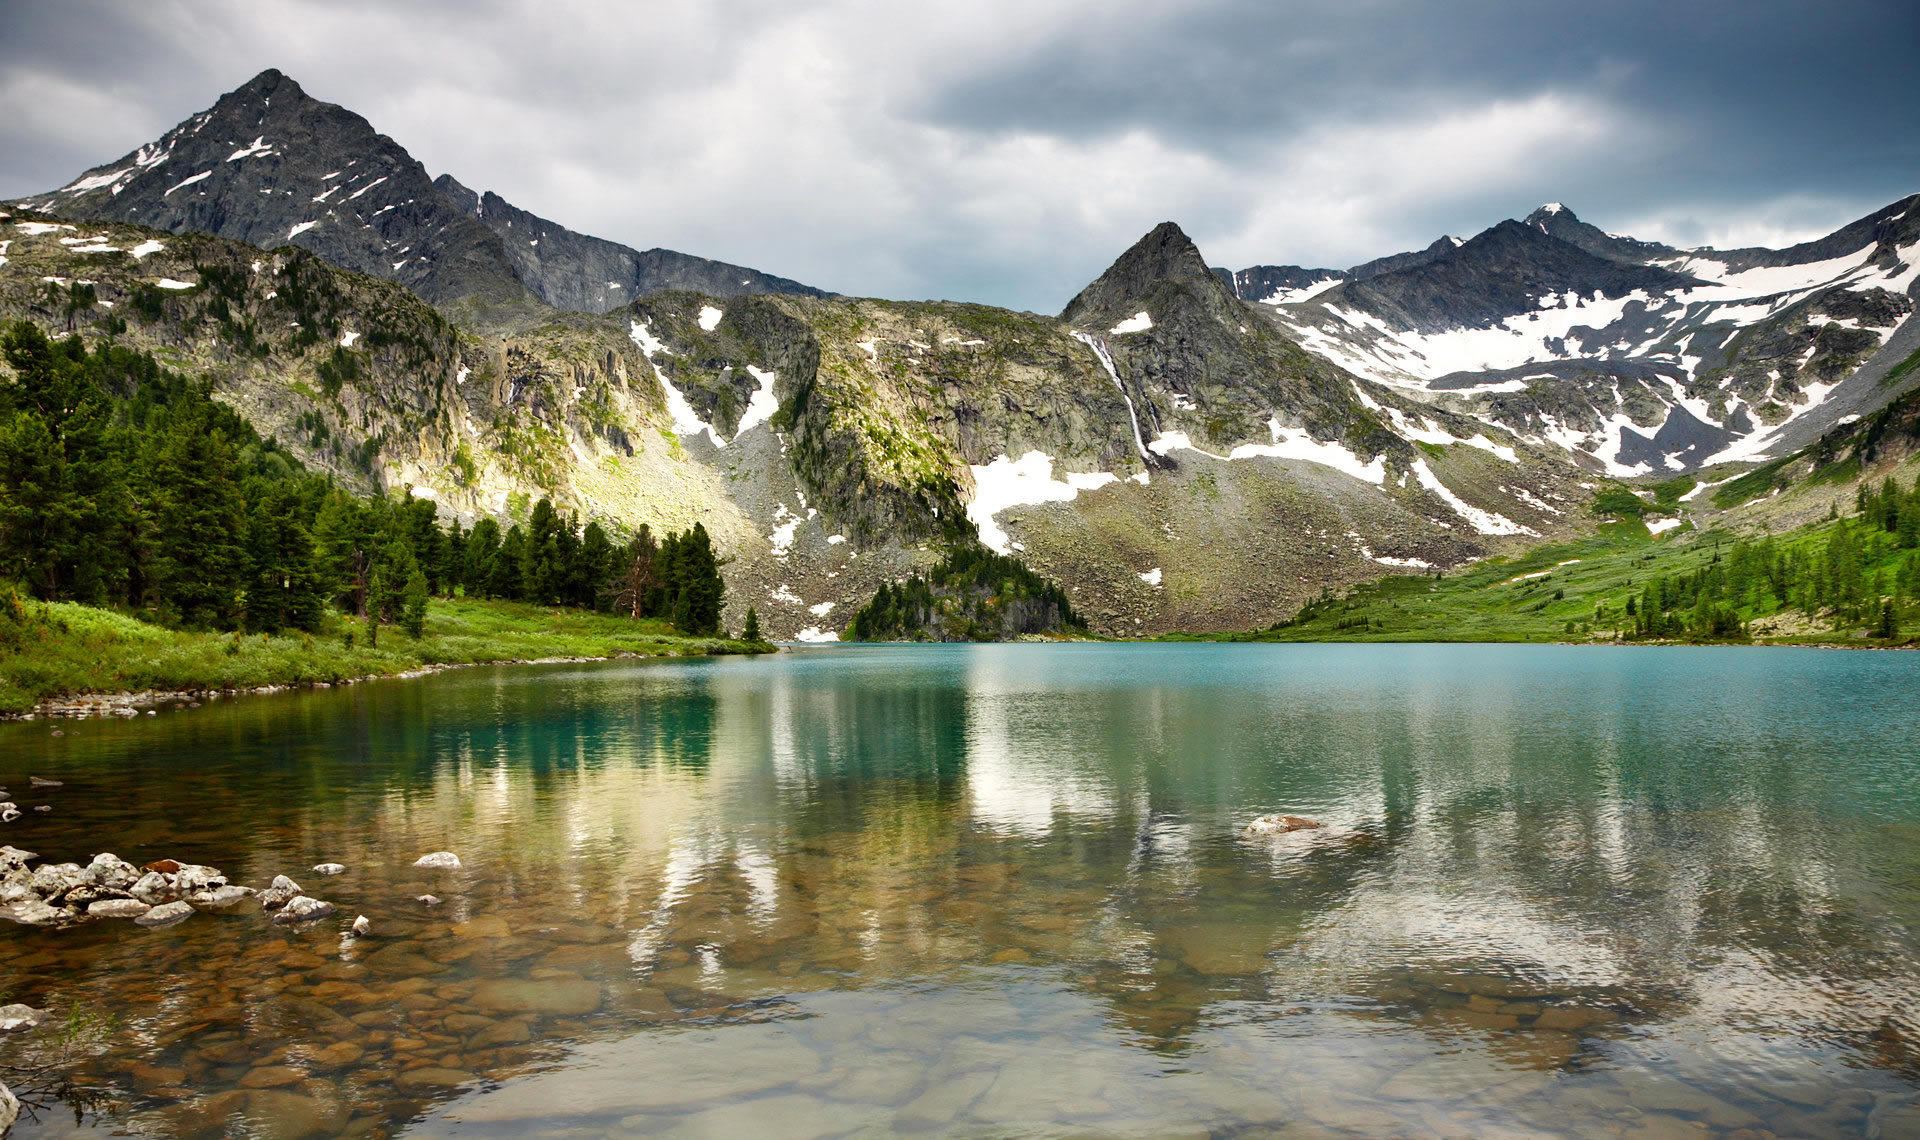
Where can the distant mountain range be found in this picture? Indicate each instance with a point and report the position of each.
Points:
(1637, 356)
(1182, 447)
(270, 165)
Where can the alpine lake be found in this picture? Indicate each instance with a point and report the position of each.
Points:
(1004, 891)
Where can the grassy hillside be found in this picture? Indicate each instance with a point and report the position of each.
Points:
(1841, 579)
(61, 649)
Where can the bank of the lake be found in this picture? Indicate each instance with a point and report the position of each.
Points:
(67, 656)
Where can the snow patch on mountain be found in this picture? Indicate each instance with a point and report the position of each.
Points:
(710, 318)
(1138, 322)
(1486, 522)
(686, 421)
(188, 181)
(1022, 482)
(761, 405)
(259, 147)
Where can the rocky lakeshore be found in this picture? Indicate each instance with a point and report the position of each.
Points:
(151, 701)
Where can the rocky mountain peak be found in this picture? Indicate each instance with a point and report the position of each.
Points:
(1165, 257)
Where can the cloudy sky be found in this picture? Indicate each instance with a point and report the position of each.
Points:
(1007, 150)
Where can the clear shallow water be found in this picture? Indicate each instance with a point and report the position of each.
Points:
(1002, 890)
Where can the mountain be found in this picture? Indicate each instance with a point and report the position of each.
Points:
(1632, 356)
(270, 165)
(570, 270)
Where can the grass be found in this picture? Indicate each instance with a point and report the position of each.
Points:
(1533, 597)
(65, 650)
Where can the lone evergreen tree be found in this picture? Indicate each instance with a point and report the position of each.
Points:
(413, 609)
(752, 630)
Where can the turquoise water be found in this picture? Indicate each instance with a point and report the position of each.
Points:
(1004, 890)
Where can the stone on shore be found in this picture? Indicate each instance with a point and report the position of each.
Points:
(166, 914)
(17, 1017)
(216, 898)
(153, 888)
(110, 870)
(279, 892)
(117, 908)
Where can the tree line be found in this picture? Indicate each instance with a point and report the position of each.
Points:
(972, 594)
(1863, 575)
(124, 483)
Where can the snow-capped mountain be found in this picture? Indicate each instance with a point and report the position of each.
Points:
(270, 165)
(1634, 356)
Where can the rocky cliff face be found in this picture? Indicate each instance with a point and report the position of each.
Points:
(570, 270)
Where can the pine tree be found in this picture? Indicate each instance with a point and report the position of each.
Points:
(542, 565)
(197, 519)
(752, 631)
(482, 548)
(504, 578)
(596, 564)
(413, 610)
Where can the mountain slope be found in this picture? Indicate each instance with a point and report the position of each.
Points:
(570, 270)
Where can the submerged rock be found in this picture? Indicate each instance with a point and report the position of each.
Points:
(166, 914)
(37, 782)
(441, 859)
(329, 868)
(360, 927)
(428, 900)
(300, 908)
(1280, 825)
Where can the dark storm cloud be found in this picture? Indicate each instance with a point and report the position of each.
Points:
(1007, 150)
